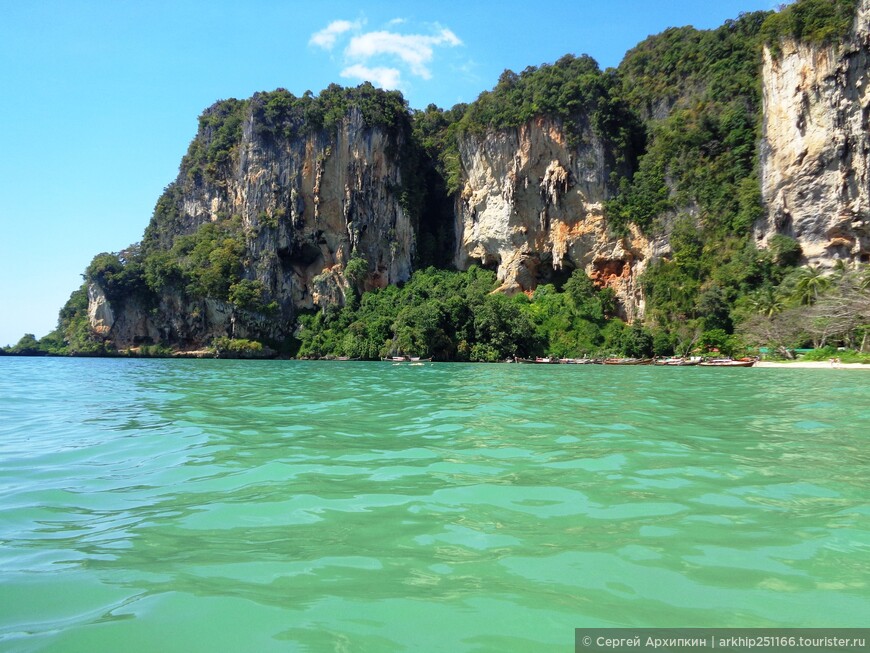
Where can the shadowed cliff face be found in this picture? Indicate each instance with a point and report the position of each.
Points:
(532, 208)
(307, 204)
(304, 206)
(815, 166)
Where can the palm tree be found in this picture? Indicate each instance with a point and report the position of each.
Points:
(841, 269)
(810, 284)
(767, 302)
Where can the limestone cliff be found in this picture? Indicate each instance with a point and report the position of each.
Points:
(814, 159)
(532, 207)
(308, 203)
(306, 200)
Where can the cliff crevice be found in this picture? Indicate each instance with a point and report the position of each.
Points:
(532, 208)
(814, 155)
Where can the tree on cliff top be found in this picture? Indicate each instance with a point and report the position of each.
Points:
(823, 22)
(574, 90)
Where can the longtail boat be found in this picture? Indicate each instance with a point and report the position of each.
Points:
(406, 359)
(678, 361)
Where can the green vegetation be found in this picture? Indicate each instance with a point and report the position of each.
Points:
(281, 114)
(224, 347)
(27, 345)
(211, 152)
(697, 181)
(50, 345)
(809, 308)
(120, 275)
(700, 93)
(205, 263)
(356, 269)
(435, 136)
(249, 295)
(151, 351)
(74, 328)
(824, 22)
(574, 89)
(829, 352)
(455, 316)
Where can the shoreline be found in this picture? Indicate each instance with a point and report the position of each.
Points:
(203, 354)
(824, 365)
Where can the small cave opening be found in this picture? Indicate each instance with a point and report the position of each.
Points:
(546, 272)
(556, 276)
(490, 262)
(299, 254)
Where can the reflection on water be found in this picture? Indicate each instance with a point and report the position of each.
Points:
(365, 506)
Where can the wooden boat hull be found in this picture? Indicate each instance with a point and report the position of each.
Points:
(406, 359)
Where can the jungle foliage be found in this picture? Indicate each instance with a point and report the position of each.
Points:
(698, 180)
(823, 22)
(574, 89)
(456, 316)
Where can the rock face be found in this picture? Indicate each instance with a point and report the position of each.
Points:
(306, 204)
(815, 166)
(532, 208)
(100, 313)
(124, 320)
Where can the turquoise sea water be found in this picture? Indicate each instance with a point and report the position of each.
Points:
(177, 505)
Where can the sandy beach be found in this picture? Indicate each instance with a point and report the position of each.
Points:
(825, 365)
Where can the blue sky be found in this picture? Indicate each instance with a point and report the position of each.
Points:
(99, 100)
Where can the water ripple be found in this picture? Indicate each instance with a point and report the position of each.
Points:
(368, 506)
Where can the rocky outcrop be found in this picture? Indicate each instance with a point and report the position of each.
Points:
(310, 203)
(100, 313)
(306, 204)
(532, 208)
(814, 162)
(125, 319)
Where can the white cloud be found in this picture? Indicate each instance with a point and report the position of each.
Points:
(384, 56)
(388, 78)
(415, 50)
(327, 37)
